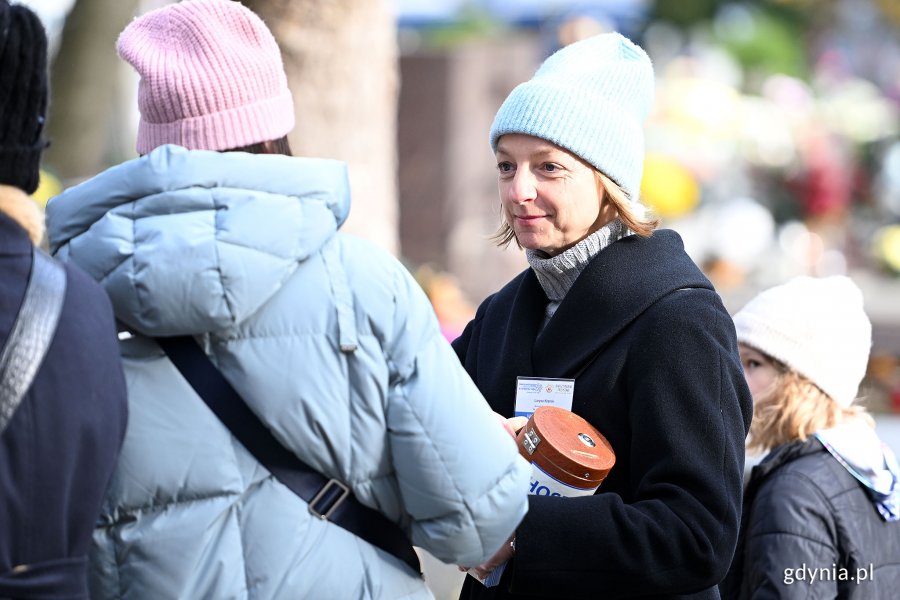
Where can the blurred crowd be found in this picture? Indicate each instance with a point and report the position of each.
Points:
(801, 173)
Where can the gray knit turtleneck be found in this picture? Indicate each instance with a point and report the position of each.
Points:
(556, 274)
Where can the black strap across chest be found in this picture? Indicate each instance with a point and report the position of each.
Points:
(328, 498)
(31, 332)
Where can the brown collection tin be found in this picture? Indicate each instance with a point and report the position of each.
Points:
(567, 448)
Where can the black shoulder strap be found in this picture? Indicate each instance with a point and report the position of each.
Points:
(31, 332)
(328, 499)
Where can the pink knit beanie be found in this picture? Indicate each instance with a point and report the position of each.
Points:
(211, 77)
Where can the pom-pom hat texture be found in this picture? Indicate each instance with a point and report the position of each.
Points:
(211, 77)
(817, 327)
(591, 98)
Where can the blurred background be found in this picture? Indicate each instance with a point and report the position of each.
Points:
(773, 148)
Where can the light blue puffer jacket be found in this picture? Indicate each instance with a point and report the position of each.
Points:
(243, 251)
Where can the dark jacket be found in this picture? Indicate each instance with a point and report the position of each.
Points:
(659, 376)
(804, 512)
(58, 451)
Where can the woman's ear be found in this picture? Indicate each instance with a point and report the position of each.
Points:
(608, 209)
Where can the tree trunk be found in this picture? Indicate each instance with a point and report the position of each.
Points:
(341, 61)
(86, 108)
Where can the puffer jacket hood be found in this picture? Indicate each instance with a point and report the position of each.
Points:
(251, 218)
(859, 450)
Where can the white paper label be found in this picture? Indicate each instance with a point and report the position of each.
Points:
(533, 392)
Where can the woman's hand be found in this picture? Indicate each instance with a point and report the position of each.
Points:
(511, 425)
(502, 555)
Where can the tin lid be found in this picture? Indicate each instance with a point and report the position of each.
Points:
(566, 447)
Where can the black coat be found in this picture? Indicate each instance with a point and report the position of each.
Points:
(803, 508)
(662, 381)
(58, 451)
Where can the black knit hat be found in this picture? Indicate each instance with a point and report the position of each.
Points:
(23, 95)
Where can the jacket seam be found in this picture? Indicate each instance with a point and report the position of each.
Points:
(232, 313)
(239, 506)
(813, 487)
(724, 429)
(788, 533)
(393, 367)
(155, 506)
(447, 475)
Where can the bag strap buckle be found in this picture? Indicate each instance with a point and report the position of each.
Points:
(332, 495)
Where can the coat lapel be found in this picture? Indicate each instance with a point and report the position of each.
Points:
(620, 283)
(523, 303)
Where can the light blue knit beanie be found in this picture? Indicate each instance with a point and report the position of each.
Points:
(591, 98)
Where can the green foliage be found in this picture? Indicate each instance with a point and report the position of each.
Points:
(685, 12)
(765, 36)
(471, 23)
(764, 41)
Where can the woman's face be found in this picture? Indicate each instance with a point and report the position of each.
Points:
(551, 199)
(759, 370)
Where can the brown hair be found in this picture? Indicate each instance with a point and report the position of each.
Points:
(641, 224)
(279, 146)
(793, 409)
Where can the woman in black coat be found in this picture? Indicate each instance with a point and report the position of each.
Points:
(59, 440)
(624, 312)
(822, 511)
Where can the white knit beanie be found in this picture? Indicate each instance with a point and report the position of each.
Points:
(816, 326)
(591, 98)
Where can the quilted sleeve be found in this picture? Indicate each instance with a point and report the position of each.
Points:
(790, 543)
(460, 475)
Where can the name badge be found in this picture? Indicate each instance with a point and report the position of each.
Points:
(532, 392)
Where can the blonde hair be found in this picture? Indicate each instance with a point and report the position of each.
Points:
(794, 408)
(636, 219)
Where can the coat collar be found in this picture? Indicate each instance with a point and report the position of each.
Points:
(526, 301)
(619, 284)
(779, 457)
